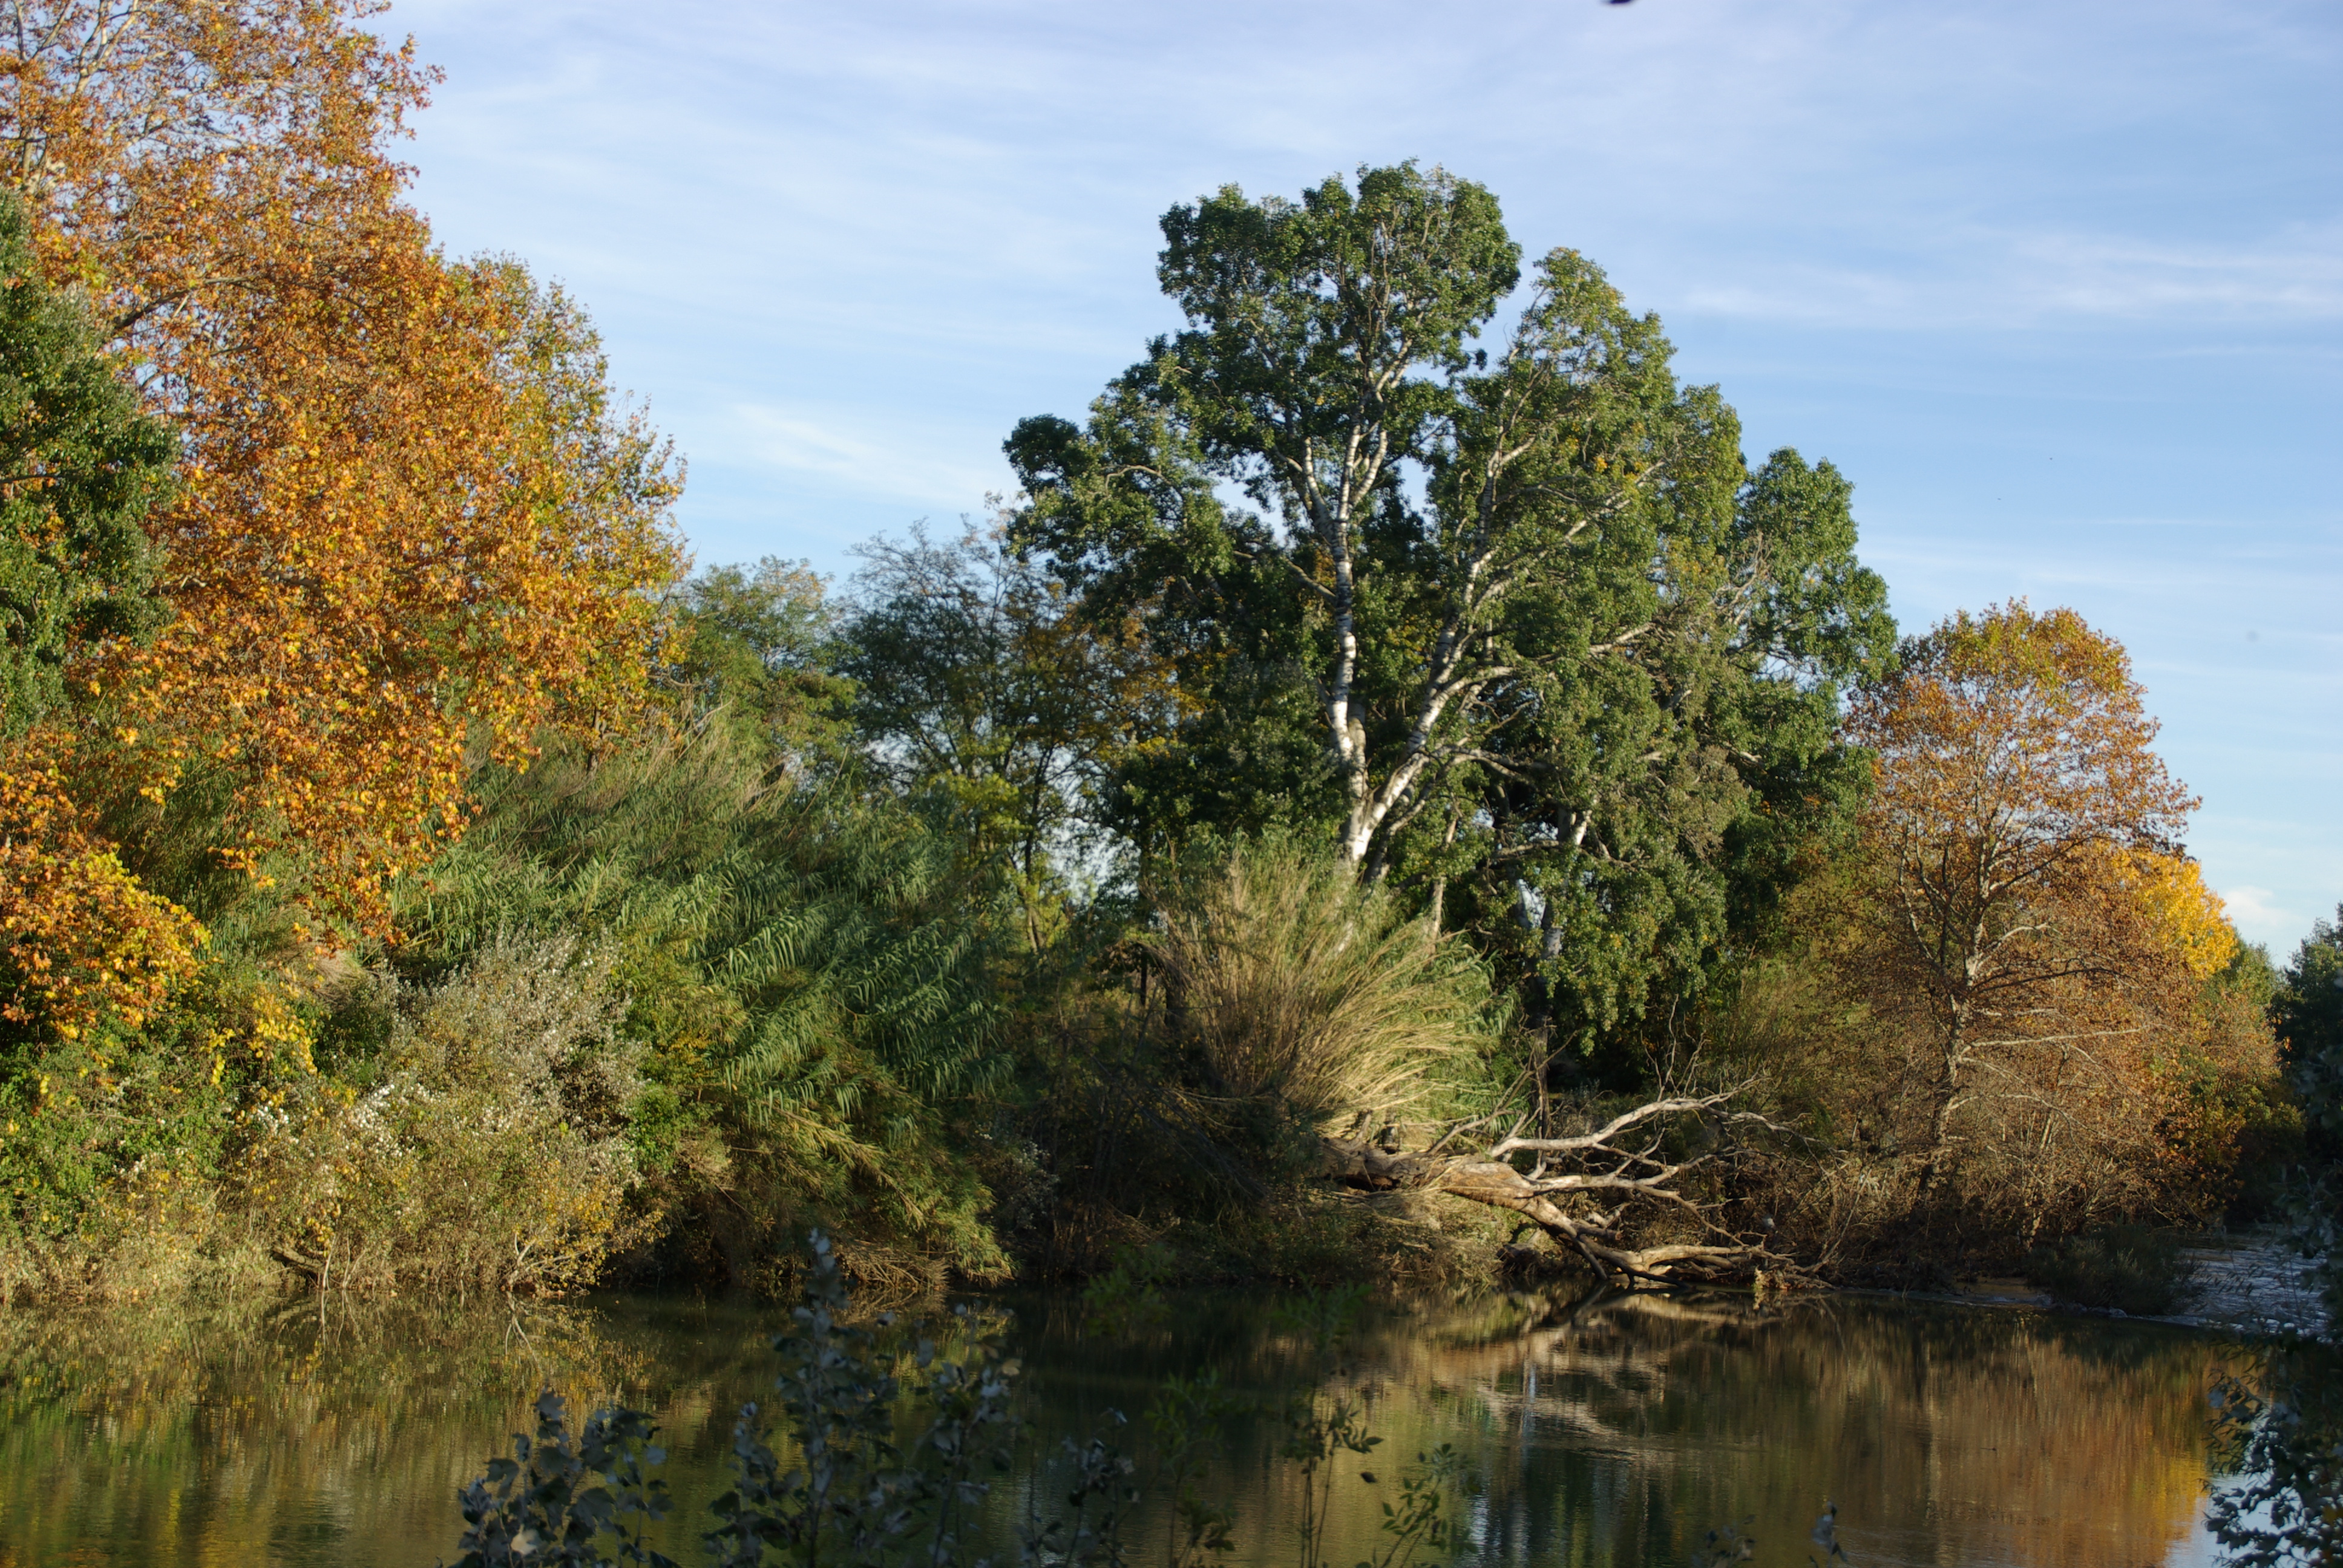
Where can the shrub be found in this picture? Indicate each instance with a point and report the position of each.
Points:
(813, 987)
(2128, 1268)
(489, 1151)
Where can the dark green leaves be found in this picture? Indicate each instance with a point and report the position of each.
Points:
(79, 467)
(1309, 321)
(554, 1500)
(1550, 641)
(2309, 1012)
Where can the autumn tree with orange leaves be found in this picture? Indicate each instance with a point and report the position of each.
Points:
(2025, 915)
(339, 521)
(410, 527)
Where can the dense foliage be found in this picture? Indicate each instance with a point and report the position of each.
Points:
(1520, 624)
(412, 879)
(2309, 1006)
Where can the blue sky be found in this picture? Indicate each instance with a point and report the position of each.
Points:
(2059, 287)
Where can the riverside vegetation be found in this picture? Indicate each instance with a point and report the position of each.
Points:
(1396, 794)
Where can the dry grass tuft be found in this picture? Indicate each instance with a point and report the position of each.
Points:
(1290, 983)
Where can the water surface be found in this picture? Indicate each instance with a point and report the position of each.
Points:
(1601, 1430)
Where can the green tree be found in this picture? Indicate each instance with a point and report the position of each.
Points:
(2309, 1012)
(755, 648)
(79, 467)
(1522, 618)
(2308, 1005)
(980, 694)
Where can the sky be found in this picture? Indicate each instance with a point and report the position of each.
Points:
(2060, 287)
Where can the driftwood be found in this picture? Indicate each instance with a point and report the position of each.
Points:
(1578, 1189)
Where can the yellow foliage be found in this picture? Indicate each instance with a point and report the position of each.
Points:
(408, 524)
(2182, 910)
(87, 944)
(271, 1032)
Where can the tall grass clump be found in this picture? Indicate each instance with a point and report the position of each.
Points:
(1182, 1091)
(1285, 981)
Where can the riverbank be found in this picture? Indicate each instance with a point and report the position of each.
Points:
(2249, 1281)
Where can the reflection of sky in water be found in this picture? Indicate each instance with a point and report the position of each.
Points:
(1605, 1432)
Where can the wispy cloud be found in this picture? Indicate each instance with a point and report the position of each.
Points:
(2019, 280)
(892, 462)
(2297, 275)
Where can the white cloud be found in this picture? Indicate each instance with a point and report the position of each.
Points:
(2013, 279)
(2292, 276)
(2251, 910)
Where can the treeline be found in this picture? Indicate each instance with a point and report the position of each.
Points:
(1396, 711)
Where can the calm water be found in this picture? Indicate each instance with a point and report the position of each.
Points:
(1606, 1430)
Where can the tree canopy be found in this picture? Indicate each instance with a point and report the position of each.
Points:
(2027, 897)
(408, 516)
(1518, 619)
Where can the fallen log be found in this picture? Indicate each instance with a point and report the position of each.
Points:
(1573, 1179)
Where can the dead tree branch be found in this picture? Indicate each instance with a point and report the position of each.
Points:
(1581, 1187)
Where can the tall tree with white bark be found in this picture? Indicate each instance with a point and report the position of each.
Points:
(1515, 618)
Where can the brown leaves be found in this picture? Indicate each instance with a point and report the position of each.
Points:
(2023, 912)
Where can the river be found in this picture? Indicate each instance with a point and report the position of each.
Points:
(1612, 1429)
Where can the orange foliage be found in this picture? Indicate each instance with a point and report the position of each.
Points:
(409, 530)
(2026, 913)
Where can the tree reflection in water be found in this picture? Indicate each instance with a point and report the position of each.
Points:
(1606, 1429)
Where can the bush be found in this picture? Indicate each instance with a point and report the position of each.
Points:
(489, 1149)
(2129, 1269)
(813, 989)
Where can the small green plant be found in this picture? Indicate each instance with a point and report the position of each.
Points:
(2129, 1269)
(855, 1497)
(1187, 1416)
(1419, 1522)
(1319, 1430)
(1186, 1420)
(1089, 1534)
